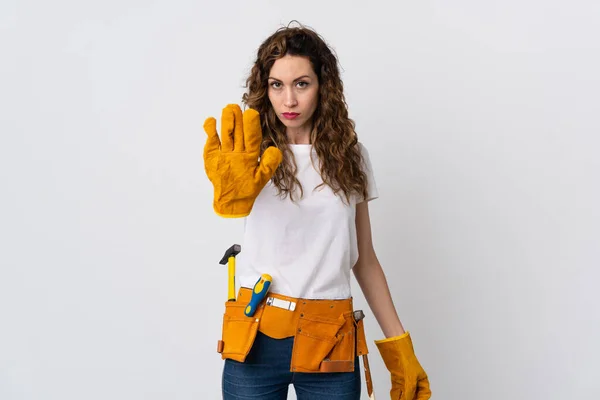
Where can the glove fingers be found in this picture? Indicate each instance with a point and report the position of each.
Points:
(396, 394)
(227, 127)
(252, 131)
(423, 391)
(238, 128)
(210, 127)
(410, 390)
(212, 145)
(397, 390)
(269, 162)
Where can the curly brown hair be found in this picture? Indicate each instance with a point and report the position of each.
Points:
(332, 135)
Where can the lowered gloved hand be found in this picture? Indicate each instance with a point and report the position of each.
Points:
(409, 380)
(232, 164)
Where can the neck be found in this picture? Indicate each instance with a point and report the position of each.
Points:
(299, 135)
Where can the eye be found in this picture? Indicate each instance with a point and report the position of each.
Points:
(273, 85)
(305, 84)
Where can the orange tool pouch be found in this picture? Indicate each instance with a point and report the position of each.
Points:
(326, 336)
(239, 331)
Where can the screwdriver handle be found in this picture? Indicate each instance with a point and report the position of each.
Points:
(261, 287)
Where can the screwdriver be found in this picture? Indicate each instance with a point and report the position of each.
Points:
(261, 287)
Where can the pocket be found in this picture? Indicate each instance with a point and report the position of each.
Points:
(314, 339)
(342, 355)
(278, 323)
(239, 331)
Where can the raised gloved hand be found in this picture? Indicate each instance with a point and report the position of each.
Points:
(232, 164)
(409, 380)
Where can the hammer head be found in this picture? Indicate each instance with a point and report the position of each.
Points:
(358, 315)
(232, 251)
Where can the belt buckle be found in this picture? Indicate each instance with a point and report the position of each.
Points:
(285, 304)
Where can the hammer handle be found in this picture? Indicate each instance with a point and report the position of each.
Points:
(368, 378)
(231, 279)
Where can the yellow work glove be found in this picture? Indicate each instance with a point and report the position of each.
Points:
(409, 380)
(232, 164)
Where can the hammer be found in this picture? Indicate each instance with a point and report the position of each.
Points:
(229, 258)
(359, 315)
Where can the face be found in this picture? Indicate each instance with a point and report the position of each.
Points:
(294, 92)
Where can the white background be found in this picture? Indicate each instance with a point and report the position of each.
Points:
(481, 119)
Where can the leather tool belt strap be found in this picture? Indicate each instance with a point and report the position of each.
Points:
(326, 336)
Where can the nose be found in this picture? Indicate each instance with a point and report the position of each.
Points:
(290, 99)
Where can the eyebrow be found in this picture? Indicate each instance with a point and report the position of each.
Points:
(297, 79)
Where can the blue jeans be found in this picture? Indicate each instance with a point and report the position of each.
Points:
(266, 376)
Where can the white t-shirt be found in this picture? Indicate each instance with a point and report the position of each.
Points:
(308, 247)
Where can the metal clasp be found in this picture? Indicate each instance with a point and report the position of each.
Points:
(285, 304)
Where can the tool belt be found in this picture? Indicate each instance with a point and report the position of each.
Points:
(327, 337)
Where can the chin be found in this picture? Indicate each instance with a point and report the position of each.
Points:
(292, 122)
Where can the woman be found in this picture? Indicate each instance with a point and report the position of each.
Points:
(292, 165)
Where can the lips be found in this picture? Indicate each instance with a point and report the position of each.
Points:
(290, 115)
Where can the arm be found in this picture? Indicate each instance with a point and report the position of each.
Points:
(371, 279)
(409, 380)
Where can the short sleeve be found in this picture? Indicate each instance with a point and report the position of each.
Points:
(372, 191)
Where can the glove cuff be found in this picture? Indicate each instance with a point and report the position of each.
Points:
(392, 339)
